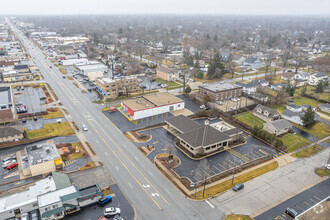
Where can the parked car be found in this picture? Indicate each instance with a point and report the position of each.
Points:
(118, 217)
(23, 120)
(12, 157)
(102, 218)
(22, 87)
(219, 102)
(327, 166)
(233, 108)
(6, 163)
(50, 67)
(238, 186)
(202, 107)
(63, 77)
(233, 99)
(84, 127)
(111, 211)
(12, 165)
(291, 212)
(18, 88)
(35, 118)
(104, 200)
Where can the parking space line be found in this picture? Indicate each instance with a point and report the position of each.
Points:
(312, 200)
(258, 153)
(299, 208)
(195, 177)
(317, 198)
(212, 171)
(307, 204)
(199, 174)
(227, 164)
(235, 159)
(217, 169)
(254, 155)
(222, 166)
(206, 173)
(232, 162)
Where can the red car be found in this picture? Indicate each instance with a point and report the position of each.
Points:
(102, 218)
(11, 166)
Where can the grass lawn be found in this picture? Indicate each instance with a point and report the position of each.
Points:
(324, 96)
(248, 119)
(53, 113)
(322, 172)
(320, 130)
(74, 156)
(308, 151)
(238, 217)
(169, 84)
(291, 141)
(279, 108)
(221, 187)
(303, 100)
(52, 129)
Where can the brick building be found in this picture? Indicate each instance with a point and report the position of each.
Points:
(167, 74)
(112, 88)
(220, 91)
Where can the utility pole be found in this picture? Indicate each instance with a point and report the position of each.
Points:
(204, 186)
(232, 180)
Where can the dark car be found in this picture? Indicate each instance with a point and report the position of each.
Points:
(63, 77)
(104, 200)
(291, 212)
(23, 120)
(238, 187)
(35, 118)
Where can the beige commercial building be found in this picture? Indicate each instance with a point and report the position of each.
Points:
(41, 159)
(11, 133)
(112, 88)
(14, 76)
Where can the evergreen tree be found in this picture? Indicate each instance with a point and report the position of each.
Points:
(319, 87)
(308, 118)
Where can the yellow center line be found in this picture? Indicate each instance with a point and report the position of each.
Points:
(129, 160)
(123, 163)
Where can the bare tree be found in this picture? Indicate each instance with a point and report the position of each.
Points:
(299, 60)
(171, 150)
(285, 58)
(201, 170)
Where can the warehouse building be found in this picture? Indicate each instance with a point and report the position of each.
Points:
(151, 105)
(95, 67)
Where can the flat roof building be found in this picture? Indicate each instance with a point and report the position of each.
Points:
(151, 105)
(220, 91)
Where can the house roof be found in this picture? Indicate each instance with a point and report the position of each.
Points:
(280, 124)
(319, 75)
(271, 111)
(325, 105)
(294, 106)
(182, 123)
(203, 136)
(7, 131)
(22, 66)
(250, 60)
(260, 81)
(290, 113)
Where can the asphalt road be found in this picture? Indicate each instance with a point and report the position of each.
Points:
(300, 202)
(152, 195)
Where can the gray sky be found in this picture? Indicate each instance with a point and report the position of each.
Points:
(264, 7)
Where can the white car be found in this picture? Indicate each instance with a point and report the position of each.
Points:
(202, 107)
(111, 211)
(233, 99)
(84, 127)
(219, 102)
(233, 108)
(327, 166)
(6, 163)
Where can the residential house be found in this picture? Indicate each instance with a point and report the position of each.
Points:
(225, 56)
(302, 75)
(294, 107)
(299, 82)
(278, 127)
(249, 88)
(252, 63)
(287, 76)
(262, 82)
(316, 78)
(325, 107)
(240, 60)
(306, 106)
(265, 113)
(296, 117)
(260, 97)
(167, 74)
(220, 91)
(11, 133)
(278, 86)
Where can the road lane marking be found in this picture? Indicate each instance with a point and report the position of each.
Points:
(129, 160)
(125, 167)
(209, 204)
(136, 158)
(150, 173)
(130, 185)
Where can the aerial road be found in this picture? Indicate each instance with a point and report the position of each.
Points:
(152, 194)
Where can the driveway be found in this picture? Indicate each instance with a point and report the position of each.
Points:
(189, 104)
(306, 135)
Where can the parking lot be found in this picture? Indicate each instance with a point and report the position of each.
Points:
(299, 203)
(30, 97)
(230, 105)
(218, 163)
